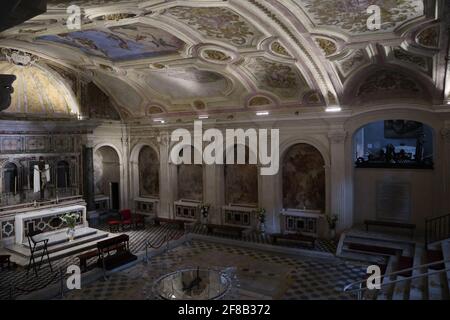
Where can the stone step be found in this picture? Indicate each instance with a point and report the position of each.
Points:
(55, 239)
(446, 254)
(416, 290)
(22, 260)
(25, 251)
(405, 247)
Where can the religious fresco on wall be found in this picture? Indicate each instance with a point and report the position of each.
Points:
(188, 83)
(121, 43)
(241, 184)
(36, 91)
(106, 169)
(190, 182)
(303, 178)
(351, 16)
(148, 173)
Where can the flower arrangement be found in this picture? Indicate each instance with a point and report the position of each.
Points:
(332, 221)
(204, 209)
(70, 219)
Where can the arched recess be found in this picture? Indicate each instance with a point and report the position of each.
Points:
(304, 178)
(10, 175)
(190, 178)
(135, 181)
(434, 185)
(108, 174)
(241, 180)
(386, 83)
(63, 178)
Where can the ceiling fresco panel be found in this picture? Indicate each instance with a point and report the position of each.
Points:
(121, 43)
(217, 23)
(351, 16)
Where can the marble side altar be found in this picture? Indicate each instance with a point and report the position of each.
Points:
(46, 220)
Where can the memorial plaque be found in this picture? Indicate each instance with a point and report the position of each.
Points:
(393, 201)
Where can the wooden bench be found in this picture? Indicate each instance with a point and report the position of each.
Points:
(297, 237)
(178, 223)
(226, 229)
(391, 224)
(84, 257)
(114, 252)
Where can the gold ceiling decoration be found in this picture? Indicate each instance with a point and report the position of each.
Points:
(327, 46)
(278, 48)
(216, 55)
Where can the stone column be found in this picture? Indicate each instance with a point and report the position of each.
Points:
(88, 178)
(338, 197)
(165, 184)
(445, 156)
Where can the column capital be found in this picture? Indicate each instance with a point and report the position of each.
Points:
(337, 137)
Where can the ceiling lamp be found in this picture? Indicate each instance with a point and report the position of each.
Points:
(333, 109)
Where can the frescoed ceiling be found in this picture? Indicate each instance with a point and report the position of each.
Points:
(121, 43)
(351, 15)
(179, 59)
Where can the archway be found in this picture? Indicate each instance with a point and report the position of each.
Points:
(107, 175)
(241, 181)
(303, 175)
(10, 178)
(190, 178)
(148, 169)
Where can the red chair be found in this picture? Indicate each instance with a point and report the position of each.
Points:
(114, 225)
(127, 219)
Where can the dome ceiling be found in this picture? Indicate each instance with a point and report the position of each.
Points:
(182, 58)
(37, 91)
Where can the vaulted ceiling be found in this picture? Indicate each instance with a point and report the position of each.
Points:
(178, 59)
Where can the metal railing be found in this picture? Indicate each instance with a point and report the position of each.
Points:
(359, 287)
(158, 244)
(15, 290)
(437, 229)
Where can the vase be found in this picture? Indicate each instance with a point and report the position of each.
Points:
(71, 234)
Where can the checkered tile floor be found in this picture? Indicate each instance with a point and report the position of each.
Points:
(259, 275)
(16, 282)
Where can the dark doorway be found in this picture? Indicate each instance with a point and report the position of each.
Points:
(115, 202)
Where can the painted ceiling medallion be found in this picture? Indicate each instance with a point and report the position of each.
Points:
(259, 101)
(216, 55)
(351, 16)
(217, 22)
(116, 16)
(429, 37)
(155, 110)
(157, 66)
(199, 105)
(328, 47)
(278, 48)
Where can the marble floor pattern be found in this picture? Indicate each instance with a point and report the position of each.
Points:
(23, 283)
(258, 275)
